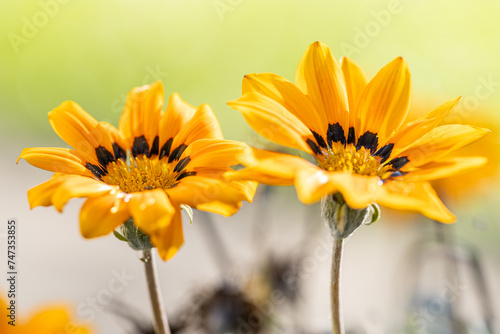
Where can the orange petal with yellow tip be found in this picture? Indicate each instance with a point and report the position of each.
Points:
(54, 159)
(416, 197)
(320, 77)
(102, 214)
(141, 115)
(289, 96)
(272, 121)
(151, 210)
(169, 239)
(384, 103)
(355, 82)
(445, 167)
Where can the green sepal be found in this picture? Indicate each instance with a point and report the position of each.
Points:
(119, 236)
(136, 239)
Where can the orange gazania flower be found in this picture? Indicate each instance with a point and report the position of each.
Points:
(154, 163)
(357, 131)
(49, 320)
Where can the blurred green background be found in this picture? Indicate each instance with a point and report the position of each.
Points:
(94, 51)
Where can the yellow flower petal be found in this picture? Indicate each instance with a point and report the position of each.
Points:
(416, 197)
(175, 118)
(414, 130)
(358, 191)
(214, 154)
(151, 210)
(169, 239)
(102, 214)
(441, 141)
(61, 160)
(203, 125)
(383, 105)
(41, 195)
(271, 120)
(141, 115)
(55, 319)
(355, 83)
(289, 96)
(208, 194)
(445, 167)
(320, 77)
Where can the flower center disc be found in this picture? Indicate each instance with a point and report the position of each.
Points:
(142, 174)
(349, 159)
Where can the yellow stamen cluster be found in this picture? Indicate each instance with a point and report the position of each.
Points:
(142, 174)
(349, 159)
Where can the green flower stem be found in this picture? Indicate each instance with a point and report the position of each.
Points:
(160, 316)
(337, 321)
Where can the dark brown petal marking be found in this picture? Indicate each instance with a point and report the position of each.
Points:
(385, 152)
(96, 170)
(399, 162)
(140, 146)
(177, 152)
(321, 142)
(314, 147)
(185, 174)
(165, 149)
(119, 152)
(351, 136)
(155, 147)
(182, 164)
(104, 156)
(335, 134)
(368, 140)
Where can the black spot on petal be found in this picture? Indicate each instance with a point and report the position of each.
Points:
(351, 136)
(96, 170)
(182, 164)
(165, 149)
(140, 146)
(119, 152)
(385, 152)
(177, 152)
(155, 146)
(321, 142)
(104, 156)
(399, 162)
(185, 174)
(335, 134)
(314, 147)
(398, 173)
(368, 140)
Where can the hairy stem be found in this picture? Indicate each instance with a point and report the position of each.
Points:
(160, 317)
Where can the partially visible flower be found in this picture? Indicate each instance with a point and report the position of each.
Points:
(154, 163)
(358, 132)
(49, 320)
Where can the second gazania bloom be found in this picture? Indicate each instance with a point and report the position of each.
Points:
(358, 132)
(146, 169)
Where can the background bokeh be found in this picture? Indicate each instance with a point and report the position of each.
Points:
(93, 52)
